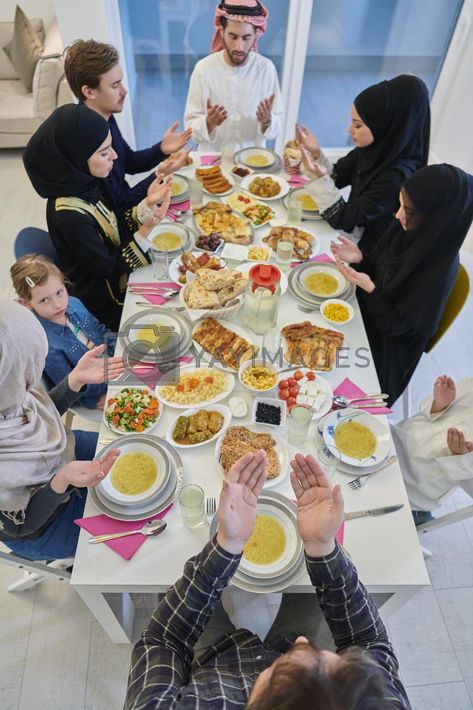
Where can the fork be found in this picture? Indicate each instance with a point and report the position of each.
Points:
(211, 508)
(360, 481)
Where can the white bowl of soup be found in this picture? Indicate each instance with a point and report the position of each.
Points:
(168, 236)
(323, 282)
(258, 158)
(308, 202)
(273, 546)
(360, 437)
(138, 475)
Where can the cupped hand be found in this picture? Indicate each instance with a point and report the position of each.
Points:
(319, 507)
(92, 369)
(173, 141)
(311, 166)
(82, 474)
(237, 507)
(355, 277)
(346, 250)
(307, 140)
(457, 442)
(216, 114)
(158, 189)
(264, 111)
(158, 214)
(444, 393)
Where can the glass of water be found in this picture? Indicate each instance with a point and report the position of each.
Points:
(191, 499)
(294, 212)
(299, 422)
(329, 457)
(228, 150)
(160, 263)
(195, 192)
(284, 254)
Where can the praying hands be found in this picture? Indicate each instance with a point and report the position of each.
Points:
(264, 111)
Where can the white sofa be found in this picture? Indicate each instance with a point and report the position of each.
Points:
(21, 112)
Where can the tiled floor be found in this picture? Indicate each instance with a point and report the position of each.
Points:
(53, 655)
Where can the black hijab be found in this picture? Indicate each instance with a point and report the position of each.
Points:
(56, 155)
(418, 267)
(397, 113)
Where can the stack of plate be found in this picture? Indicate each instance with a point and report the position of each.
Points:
(286, 570)
(184, 233)
(180, 189)
(247, 156)
(158, 497)
(296, 277)
(306, 214)
(173, 336)
(349, 465)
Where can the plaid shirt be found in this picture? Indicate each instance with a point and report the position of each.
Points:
(164, 673)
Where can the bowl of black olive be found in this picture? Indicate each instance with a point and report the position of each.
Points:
(269, 411)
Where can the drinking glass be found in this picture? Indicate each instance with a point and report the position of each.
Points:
(329, 457)
(284, 254)
(272, 350)
(191, 499)
(299, 423)
(294, 212)
(228, 150)
(195, 192)
(160, 263)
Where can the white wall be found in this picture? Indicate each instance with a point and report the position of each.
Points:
(31, 8)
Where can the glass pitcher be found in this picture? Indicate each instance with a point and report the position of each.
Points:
(262, 296)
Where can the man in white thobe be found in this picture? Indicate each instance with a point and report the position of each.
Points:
(234, 94)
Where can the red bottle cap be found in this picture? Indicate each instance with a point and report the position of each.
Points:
(265, 276)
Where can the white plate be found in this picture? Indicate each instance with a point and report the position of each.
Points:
(174, 272)
(108, 490)
(246, 153)
(186, 369)
(208, 358)
(326, 405)
(182, 184)
(321, 268)
(315, 243)
(221, 408)
(245, 269)
(280, 447)
(241, 206)
(291, 549)
(152, 317)
(246, 182)
(177, 229)
(379, 429)
(228, 176)
(113, 392)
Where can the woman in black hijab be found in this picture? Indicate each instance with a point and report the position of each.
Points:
(391, 127)
(67, 160)
(404, 284)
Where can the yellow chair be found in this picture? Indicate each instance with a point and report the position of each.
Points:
(456, 301)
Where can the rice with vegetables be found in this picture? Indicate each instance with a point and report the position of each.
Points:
(199, 385)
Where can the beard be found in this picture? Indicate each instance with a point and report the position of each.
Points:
(236, 60)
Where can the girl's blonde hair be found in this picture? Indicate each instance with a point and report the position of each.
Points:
(33, 270)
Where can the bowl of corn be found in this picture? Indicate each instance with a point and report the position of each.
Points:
(336, 312)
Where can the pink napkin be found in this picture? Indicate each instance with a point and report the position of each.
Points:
(177, 207)
(124, 546)
(156, 298)
(210, 160)
(348, 389)
(340, 534)
(320, 257)
(150, 374)
(298, 180)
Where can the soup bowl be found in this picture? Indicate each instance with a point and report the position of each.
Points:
(380, 431)
(319, 270)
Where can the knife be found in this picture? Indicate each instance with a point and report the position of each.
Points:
(373, 512)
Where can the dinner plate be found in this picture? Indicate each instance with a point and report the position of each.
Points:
(114, 392)
(326, 405)
(244, 155)
(245, 269)
(175, 274)
(180, 183)
(283, 184)
(240, 207)
(186, 369)
(220, 408)
(169, 495)
(306, 214)
(322, 268)
(345, 467)
(307, 300)
(314, 250)
(377, 427)
(203, 356)
(107, 488)
(280, 447)
(174, 336)
(180, 230)
(228, 176)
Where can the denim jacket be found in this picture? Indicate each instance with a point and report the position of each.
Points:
(65, 350)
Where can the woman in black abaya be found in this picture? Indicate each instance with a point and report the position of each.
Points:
(404, 284)
(390, 127)
(67, 160)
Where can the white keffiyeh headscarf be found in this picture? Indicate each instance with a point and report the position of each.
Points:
(32, 435)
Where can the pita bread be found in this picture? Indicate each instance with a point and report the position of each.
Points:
(234, 289)
(196, 296)
(214, 280)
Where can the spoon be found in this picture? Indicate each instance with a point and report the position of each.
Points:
(343, 402)
(152, 527)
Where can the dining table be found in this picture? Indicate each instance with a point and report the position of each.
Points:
(385, 549)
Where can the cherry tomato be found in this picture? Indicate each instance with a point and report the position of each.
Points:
(291, 402)
(283, 385)
(310, 375)
(298, 375)
(284, 394)
(291, 382)
(293, 391)
(291, 407)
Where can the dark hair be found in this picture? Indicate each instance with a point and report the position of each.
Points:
(224, 22)
(354, 684)
(85, 62)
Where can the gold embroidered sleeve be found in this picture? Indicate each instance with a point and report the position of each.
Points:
(131, 220)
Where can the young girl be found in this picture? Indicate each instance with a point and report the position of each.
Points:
(70, 328)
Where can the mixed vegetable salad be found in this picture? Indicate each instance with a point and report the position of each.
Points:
(133, 409)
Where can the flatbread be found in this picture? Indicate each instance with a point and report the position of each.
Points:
(196, 296)
(232, 291)
(215, 280)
